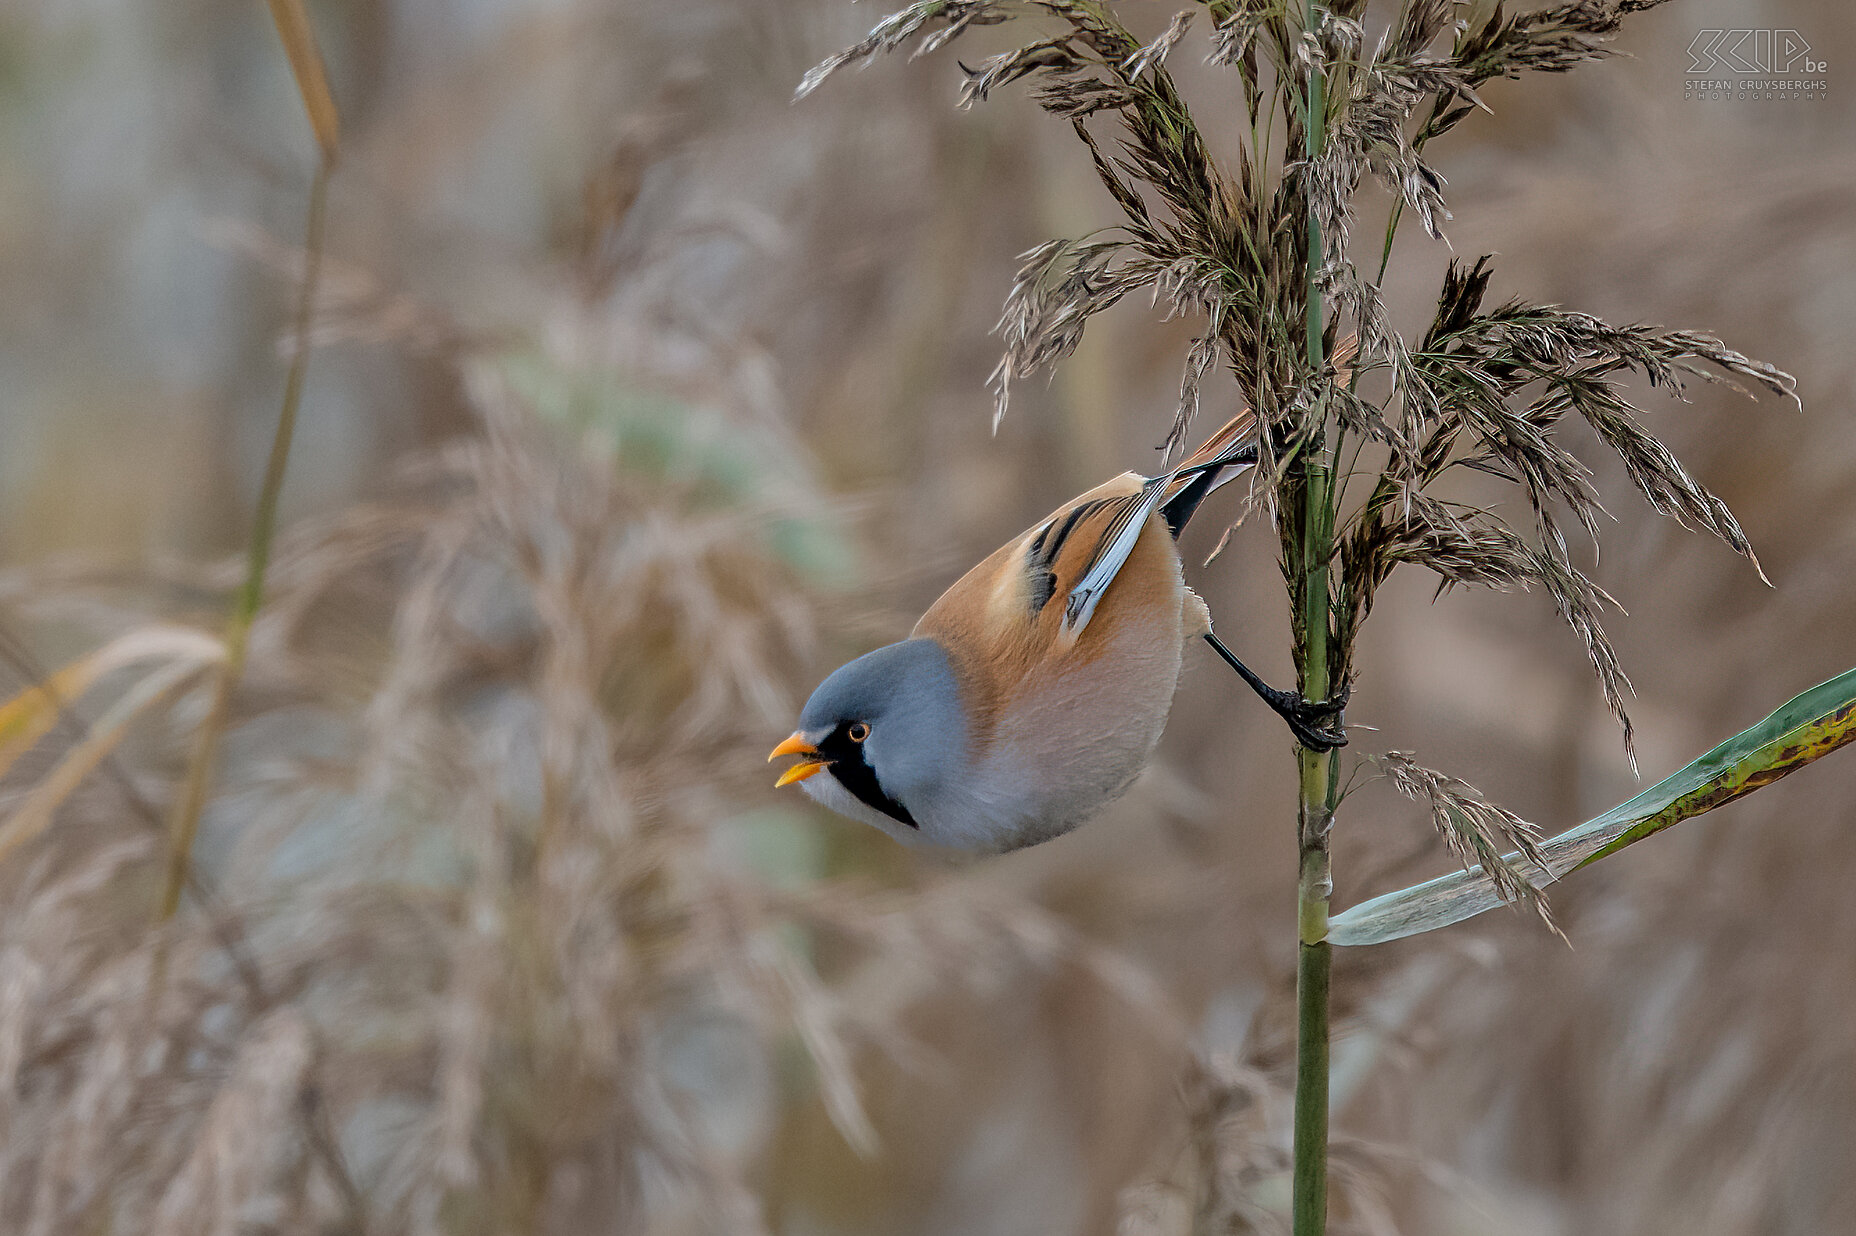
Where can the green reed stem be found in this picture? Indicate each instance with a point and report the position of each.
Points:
(1314, 886)
(184, 824)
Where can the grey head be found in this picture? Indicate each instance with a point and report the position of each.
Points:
(892, 733)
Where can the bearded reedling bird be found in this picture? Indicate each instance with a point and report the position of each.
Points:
(1033, 692)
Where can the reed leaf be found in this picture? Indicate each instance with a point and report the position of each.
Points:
(1807, 728)
(35, 813)
(30, 715)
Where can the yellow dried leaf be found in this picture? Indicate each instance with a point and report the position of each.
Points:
(30, 715)
(35, 813)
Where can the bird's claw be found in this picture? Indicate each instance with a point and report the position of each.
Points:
(1316, 725)
(1317, 738)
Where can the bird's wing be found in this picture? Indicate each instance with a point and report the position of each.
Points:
(1118, 525)
(1109, 529)
(1023, 594)
(1004, 620)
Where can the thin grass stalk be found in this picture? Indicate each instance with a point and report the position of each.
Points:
(184, 824)
(1314, 885)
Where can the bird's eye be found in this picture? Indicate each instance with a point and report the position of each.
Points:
(858, 731)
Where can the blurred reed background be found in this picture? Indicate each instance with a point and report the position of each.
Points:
(642, 398)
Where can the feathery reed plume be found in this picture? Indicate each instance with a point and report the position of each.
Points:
(1476, 831)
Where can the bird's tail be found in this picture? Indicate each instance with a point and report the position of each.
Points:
(1228, 454)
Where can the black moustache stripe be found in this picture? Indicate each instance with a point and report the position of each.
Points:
(858, 777)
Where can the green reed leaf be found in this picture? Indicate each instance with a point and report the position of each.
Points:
(1808, 728)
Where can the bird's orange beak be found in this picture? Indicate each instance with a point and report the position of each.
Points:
(796, 745)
